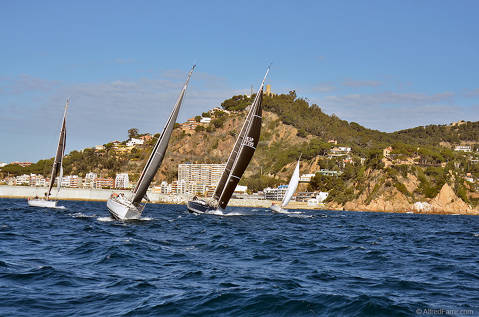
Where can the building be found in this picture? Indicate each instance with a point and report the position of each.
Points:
(23, 179)
(200, 177)
(134, 142)
(102, 182)
(326, 172)
(73, 181)
(342, 150)
(37, 180)
(463, 148)
(122, 181)
(22, 164)
(387, 151)
(205, 120)
(89, 181)
(275, 193)
(2, 164)
(99, 148)
(146, 137)
(306, 178)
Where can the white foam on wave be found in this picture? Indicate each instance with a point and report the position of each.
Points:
(218, 212)
(82, 215)
(105, 219)
(475, 234)
(60, 207)
(300, 215)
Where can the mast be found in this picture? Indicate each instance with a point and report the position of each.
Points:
(243, 150)
(158, 153)
(234, 152)
(58, 161)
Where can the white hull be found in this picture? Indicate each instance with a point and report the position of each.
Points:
(122, 209)
(277, 208)
(42, 203)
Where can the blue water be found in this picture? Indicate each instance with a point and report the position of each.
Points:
(77, 261)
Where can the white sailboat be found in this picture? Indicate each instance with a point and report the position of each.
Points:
(57, 168)
(124, 207)
(238, 160)
(293, 184)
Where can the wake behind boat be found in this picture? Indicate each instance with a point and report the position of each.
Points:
(130, 206)
(56, 168)
(238, 161)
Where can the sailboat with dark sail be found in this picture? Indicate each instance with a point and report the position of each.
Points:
(56, 169)
(130, 206)
(238, 160)
(293, 184)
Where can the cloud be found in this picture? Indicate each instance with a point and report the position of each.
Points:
(392, 111)
(361, 83)
(26, 84)
(323, 87)
(388, 98)
(472, 93)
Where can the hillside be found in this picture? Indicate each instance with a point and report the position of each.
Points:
(419, 163)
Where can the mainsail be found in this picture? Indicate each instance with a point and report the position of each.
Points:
(158, 153)
(58, 161)
(243, 151)
(293, 184)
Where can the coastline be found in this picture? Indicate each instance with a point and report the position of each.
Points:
(84, 194)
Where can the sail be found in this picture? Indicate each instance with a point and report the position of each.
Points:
(245, 152)
(225, 177)
(58, 161)
(293, 184)
(234, 153)
(158, 153)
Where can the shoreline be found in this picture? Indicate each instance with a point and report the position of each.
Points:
(83, 194)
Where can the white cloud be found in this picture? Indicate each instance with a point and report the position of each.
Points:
(361, 83)
(324, 87)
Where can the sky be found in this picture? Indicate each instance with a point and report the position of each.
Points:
(387, 65)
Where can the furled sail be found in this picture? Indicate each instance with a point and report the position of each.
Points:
(158, 153)
(243, 151)
(58, 161)
(293, 184)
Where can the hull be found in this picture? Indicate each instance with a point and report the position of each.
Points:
(199, 207)
(123, 210)
(42, 203)
(277, 208)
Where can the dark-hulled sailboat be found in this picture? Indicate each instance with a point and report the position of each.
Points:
(238, 160)
(57, 168)
(122, 207)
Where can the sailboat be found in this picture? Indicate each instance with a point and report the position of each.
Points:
(293, 184)
(238, 160)
(124, 207)
(57, 168)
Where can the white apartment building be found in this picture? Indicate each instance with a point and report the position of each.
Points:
(306, 178)
(463, 148)
(122, 180)
(70, 181)
(37, 180)
(134, 141)
(202, 174)
(275, 193)
(23, 179)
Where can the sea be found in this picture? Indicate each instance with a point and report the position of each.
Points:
(77, 261)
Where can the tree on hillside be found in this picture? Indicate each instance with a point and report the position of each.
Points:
(132, 133)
